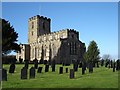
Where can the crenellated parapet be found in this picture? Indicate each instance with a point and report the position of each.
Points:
(39, 17)
(73, 30)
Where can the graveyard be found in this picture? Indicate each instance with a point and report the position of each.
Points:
(60, 77)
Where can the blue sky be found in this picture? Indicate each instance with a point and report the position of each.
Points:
(94, 21)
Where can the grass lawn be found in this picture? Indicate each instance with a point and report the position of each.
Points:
(100, 78)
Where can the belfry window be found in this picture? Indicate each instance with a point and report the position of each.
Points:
(32, 25)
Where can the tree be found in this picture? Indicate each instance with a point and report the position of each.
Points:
(92, 53)
(9, 38)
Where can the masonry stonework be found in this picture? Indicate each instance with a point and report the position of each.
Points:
(62, 46)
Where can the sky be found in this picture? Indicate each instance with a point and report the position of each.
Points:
(96, 21)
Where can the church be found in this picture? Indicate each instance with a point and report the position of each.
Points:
(62, 46)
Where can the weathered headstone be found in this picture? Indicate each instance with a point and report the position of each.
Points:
(114, 67)
(66, 70)
(61, 70)
(71, 73)
(39, 70)
(80, 65)
(4, 75)
(24, 73)
(41, 61)
(111, 64)
(106, 64)
(45, 62)
(97, 64)
(53, 66)
(75, 66)
(83, 69)
(32, 72)
(35, 63)
(102, 62)
(118, 64)
(46, 68)
(20, 60)
(90, 68)
(26, 63)
(12, 68)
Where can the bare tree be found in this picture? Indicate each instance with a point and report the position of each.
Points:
(106, 56)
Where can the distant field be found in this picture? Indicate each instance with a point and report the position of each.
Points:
(101, 78)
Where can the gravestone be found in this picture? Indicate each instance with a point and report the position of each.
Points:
(32, 72)
(45, 62)
(20, 60)
(24, 73)
(39, 70)
(26, 63)
(4, 75)
(106, 63)
(71, 73)
(35, 63)
(46, 68)
(41, 61)
(53, 66)
(12, 68)
(102, 62)
(83, 69)
(114, 67)
(75, 66)
(118, 64)
(90, 68)
(97, 64)
(66, 70)
(111, 64)
(80, 65)
(61, 70)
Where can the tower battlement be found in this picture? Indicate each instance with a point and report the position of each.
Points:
(38, 16)
(73, 30)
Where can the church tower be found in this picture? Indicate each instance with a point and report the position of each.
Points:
(37, 26)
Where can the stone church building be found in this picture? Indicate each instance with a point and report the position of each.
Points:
(62, 46)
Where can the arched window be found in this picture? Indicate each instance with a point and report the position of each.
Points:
(73, 48)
